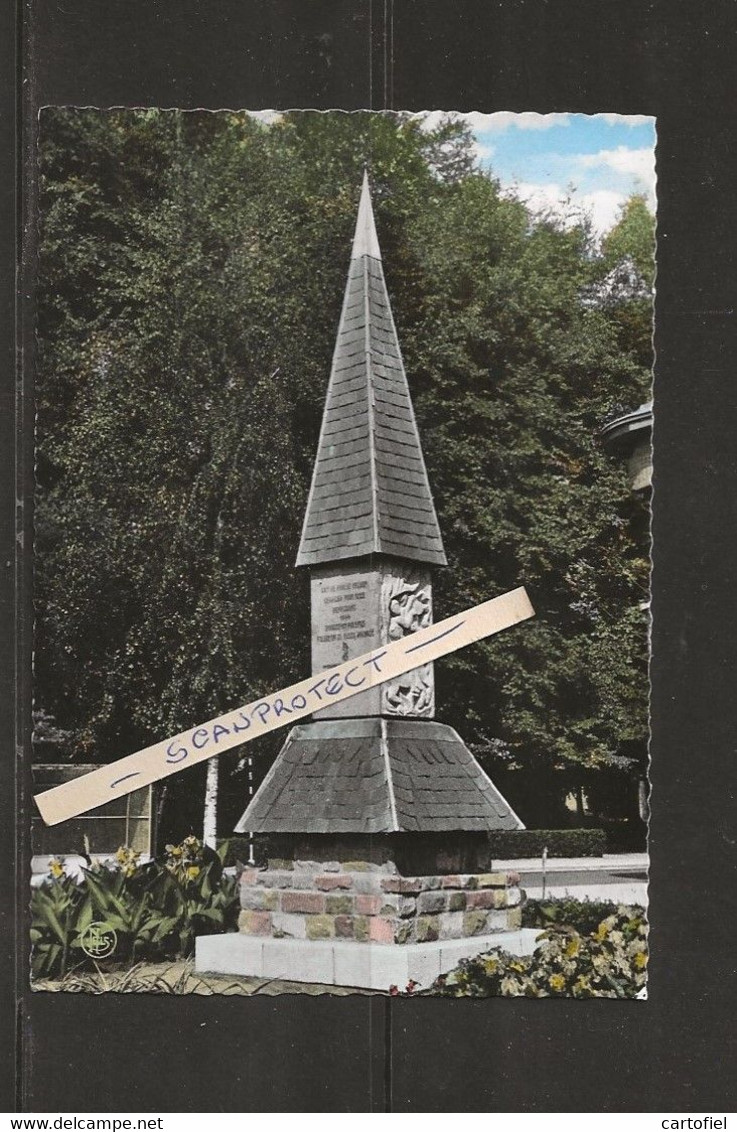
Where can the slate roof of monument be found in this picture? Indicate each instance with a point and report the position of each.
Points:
(376, 776)
(370, 493)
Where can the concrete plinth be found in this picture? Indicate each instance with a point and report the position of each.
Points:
(348, 963)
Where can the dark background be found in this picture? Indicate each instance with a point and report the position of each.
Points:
(302, 1054)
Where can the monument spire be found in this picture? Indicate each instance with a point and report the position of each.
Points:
(370, 492)
(365, 240)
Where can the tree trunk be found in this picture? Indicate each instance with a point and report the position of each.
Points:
(209, 834)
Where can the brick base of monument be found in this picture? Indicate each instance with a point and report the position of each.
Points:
(366, 902)
(364, 925)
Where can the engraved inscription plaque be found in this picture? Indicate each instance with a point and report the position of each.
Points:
(356, 608)
(346, 622)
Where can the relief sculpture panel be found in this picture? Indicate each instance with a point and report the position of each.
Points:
(406, 602)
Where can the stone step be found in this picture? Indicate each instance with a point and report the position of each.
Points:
(347, 963)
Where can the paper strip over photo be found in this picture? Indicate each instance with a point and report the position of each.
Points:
(281, 708)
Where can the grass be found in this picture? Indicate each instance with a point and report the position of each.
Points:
(178, 977)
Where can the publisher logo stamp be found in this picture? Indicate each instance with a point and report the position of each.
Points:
(98, 940)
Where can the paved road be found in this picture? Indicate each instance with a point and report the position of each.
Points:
(621, 878)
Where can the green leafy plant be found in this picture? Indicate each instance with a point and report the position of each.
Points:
(583, 915)
(55, 908)
(156, 909)
(195, 890)
(609, 962)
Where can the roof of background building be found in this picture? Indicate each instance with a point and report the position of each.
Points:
(376, 776)
(370, 493)
(618, 433)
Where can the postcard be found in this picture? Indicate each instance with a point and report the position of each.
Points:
(311, 383)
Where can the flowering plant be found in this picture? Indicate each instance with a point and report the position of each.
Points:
(156, 909)
(185, 861)
(610, 962)
(127, 860)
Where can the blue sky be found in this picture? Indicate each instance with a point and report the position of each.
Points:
(604, 157)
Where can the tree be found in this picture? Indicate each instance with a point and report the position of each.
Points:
(210, 823)
(624, 287)
(632, 237)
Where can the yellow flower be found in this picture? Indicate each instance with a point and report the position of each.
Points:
(193, 871)
(602, 931)
(573, 947)
(557, 982)
(56, 868)
(490, 965)
(640, 960)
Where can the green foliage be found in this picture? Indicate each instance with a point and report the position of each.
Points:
(583, 915)
(628, 259)
(156, 910)
(558, 842)
(191, 274)
(56, 911)
(632, 237)
(608, 962)
(235, 850)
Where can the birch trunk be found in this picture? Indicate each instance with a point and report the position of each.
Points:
(209, 834)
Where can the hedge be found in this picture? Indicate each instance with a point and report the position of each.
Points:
(506, 845)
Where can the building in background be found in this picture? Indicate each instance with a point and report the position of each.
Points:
(630, 438)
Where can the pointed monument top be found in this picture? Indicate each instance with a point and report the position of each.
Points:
(365, 240)
(370, 493)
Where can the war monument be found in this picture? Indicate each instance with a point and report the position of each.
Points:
(377, 816)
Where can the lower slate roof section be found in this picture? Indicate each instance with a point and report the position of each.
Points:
(376, 776)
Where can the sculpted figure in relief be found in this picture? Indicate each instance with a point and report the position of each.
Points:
(409, 609)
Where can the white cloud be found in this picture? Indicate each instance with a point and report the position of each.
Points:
(602, 205)
(267, 117)
(496, 123)
(433, 118)
(639, 163)
(630, 120)
(504, 119)
(483, 152)
(539, 197)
